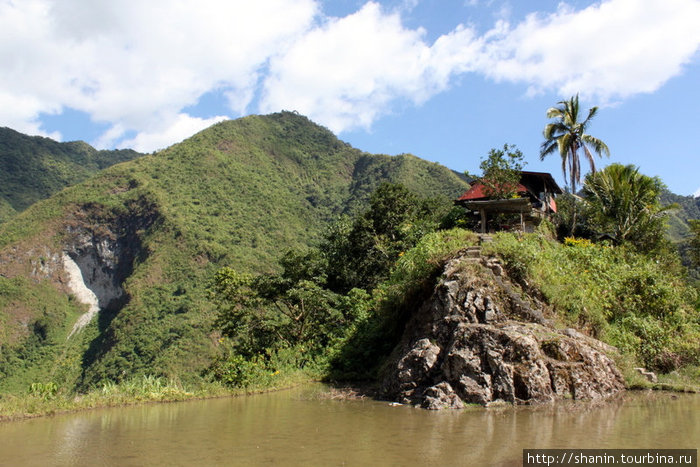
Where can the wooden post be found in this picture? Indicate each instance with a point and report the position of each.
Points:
(482, 211)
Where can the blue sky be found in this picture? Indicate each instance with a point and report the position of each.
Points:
(446, 80)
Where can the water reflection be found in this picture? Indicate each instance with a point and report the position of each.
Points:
(297, 428)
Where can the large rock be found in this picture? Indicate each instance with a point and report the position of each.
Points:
(479, 340)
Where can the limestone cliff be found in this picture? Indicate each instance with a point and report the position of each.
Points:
(478, 340)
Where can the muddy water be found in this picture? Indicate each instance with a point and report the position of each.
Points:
(297, 427)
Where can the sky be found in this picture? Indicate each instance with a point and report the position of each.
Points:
(446, 80)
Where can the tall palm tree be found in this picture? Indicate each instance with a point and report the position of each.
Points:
(568, 137)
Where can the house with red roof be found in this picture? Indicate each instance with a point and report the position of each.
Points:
(534, 201)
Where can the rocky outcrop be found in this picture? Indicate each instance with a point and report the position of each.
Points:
(89, 254)
(99, 254)
(82, 293)
(479, 340)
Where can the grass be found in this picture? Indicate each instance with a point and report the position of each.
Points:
(640, 304)
(41, 400)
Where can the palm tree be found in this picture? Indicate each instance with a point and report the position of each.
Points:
(624, 205)
(568, 137)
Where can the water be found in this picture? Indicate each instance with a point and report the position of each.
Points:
(297, 427)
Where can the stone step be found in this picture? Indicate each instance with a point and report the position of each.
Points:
(471, 259)
(473, 252)
(485, 238)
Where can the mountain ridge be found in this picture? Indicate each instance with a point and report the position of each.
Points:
(149, 233)
(35, 167)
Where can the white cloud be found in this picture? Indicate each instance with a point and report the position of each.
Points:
(351, 71)
(610, 50)
(409, 5)
(162, 136)
(697, 193)
(136, 65)
(348, 72)
(130, 62)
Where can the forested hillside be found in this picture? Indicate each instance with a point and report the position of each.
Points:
(149, 234)
(679, 229)
(688, 208)
(6, 210)
(34, 167)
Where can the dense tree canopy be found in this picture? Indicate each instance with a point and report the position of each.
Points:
(361, 251)
(320, 291)
(501, 172)
(695, 240)
(624, 205)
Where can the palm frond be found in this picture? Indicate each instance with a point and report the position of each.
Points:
(565, 142)
(589, 156)
(598, 145)
(547, 148)
(554, 112)
(591, 113)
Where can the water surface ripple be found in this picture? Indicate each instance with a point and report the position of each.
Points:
(296, 427)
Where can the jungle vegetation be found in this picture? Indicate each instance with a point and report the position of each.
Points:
(268, 247)
(235, 195)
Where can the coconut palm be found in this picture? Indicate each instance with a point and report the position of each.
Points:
(567, 136)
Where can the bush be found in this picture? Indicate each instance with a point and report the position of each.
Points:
(411, 279)
(237, 371)
(637, 302)
(46, 391)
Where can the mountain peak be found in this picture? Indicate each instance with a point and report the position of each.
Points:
(156, 228)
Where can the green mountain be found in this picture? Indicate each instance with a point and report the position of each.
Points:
(6, 210)
(688, 208)
(148, 235)
(34, 167)
(679, 229)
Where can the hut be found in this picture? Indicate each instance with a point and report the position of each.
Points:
(534, 201)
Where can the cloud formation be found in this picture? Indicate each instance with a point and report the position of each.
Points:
(611, 50)
(347, 72)
(136, 65)
(132, 63)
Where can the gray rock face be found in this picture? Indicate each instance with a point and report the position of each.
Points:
(105, 250)
(98, 260)
(477, 340)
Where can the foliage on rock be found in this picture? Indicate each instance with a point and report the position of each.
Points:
(641, 304)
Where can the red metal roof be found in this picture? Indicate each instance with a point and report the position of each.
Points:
(476, 192)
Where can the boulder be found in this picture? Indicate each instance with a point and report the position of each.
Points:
(478, 340)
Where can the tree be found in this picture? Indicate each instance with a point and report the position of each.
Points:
(361, 251)
(568, 137)
(287, 309)
(501, 172)
(695, 240)
(624, 205)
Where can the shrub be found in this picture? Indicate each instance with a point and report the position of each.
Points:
(636, 302)
(46, 391)
(411, 279)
